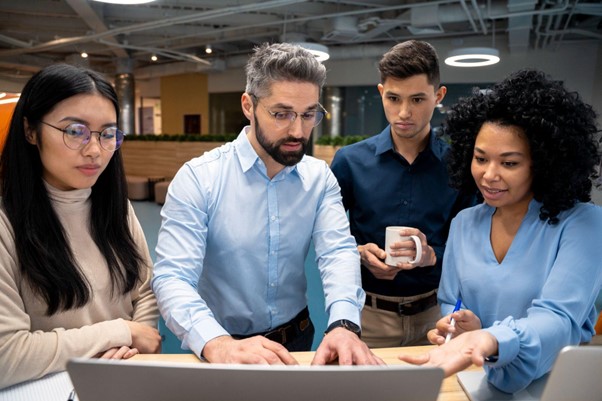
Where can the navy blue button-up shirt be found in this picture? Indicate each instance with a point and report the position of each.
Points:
(380, 188)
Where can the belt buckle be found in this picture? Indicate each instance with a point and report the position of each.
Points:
(281, 332)
(402, 307)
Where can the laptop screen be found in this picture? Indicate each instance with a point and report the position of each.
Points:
(576, 375)
(102, 380)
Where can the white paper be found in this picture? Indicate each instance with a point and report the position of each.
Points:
(53, 387)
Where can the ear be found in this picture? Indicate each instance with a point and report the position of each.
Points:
(381, 89)
(30, 133)
(247, 105)
(440, 94)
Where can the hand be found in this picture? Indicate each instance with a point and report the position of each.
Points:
(372, 258)
(465, 319)
(345, 346)
(144, 337)
(254, 350)
(124, 352)
(408, 248)
(471, 347)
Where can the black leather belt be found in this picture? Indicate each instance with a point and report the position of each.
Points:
(285, 332)
(403, 308)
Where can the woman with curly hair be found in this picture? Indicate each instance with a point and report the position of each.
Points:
(526, 262)
(74, 265)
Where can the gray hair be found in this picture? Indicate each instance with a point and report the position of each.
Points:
(282, 62)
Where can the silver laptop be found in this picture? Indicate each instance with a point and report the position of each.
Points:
(106, 380)
(575, 376)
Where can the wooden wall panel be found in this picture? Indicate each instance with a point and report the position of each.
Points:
(160, 158)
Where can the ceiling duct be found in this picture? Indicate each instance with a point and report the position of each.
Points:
(519, 27)
(341, 29)
(425, 20)
(374, 26)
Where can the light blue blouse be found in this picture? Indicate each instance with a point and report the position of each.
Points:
(232, 245)
(539, 299)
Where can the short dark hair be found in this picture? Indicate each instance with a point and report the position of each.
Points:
(282, 62)
(409, 58)
(44, 256)
(559, 126)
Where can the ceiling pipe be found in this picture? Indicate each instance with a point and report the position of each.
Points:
(407, 7)
(235, 62)
(469, 15)
(479, 16)
(152, 25)
(568, 19)
(89, 16)
(574, 31)
(162, 52)
(560, 9)
(14, 42)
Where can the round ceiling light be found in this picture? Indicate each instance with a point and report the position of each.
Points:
(473, 57)
(126, 2)
(318, 50)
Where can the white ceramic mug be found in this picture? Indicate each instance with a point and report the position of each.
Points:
(391, 236)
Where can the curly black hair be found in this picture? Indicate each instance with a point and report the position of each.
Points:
(560, 127)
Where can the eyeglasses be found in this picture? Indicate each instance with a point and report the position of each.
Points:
(76, 136)
(284, 118)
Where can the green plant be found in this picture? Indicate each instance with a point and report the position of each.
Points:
(340, 140)
(183, 137)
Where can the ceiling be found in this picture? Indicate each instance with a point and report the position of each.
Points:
(118, 38)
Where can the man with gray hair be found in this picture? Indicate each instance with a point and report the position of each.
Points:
(238, 223)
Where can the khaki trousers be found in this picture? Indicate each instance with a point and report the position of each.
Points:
(384, 329)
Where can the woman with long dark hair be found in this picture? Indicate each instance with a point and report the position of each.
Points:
(74, 264)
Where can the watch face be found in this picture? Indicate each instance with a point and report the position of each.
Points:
(349, 325)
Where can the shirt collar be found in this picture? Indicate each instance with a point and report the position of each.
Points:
(244, 150)
(384, 143)
(247, 156)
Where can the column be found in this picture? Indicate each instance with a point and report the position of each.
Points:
(125, 88)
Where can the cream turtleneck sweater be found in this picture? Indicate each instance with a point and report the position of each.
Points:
(33, 344)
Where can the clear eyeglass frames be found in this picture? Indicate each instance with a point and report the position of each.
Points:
(76, 136)
(285, 118)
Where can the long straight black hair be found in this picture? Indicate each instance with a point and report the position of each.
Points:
(45, 258)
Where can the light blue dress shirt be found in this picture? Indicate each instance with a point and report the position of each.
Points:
(539, 299)
(233, 243)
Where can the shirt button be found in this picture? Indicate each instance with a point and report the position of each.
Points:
(405, 202)
(273, 218)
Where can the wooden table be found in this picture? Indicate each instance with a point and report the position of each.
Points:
(450, 389)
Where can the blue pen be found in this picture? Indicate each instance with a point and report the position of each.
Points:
(452, 322)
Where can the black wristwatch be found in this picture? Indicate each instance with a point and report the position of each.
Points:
(346, 324)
